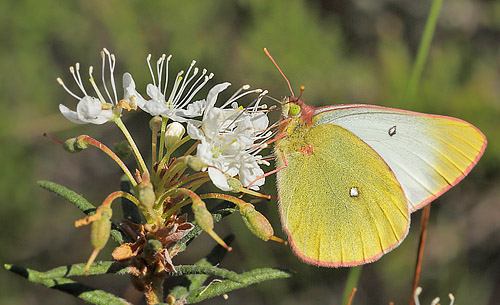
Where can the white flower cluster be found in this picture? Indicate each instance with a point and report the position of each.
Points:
(231, 137)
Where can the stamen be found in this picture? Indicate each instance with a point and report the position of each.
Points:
(185, 82)
(148, 59)
(60, 81)
(218, 152)
(80, 85)
(159, 70)
(166, 76)
(77, 66)
(194, 89)
(174, 89)
(103, 56)
(232, 98)
(103, 101)
(112, 64)
(241, 95)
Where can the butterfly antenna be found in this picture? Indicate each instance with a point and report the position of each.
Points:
(302, 88)
(276, 65)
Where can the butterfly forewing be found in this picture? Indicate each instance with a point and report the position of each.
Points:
(340, 203)
(427, 153)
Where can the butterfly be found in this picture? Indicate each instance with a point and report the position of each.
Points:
(349, 176)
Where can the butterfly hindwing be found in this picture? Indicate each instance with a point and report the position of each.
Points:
(340, 203)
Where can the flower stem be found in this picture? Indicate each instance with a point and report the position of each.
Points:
(137, 154)
(110, 153)
(238, 202)
(162, 136)
(423, 49)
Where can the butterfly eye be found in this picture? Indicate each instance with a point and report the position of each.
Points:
(294, 110)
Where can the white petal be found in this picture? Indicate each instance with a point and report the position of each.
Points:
(70, 114)
(212, 96)
(194, 132)
(219, 179)
(154, 93)
(193, 109)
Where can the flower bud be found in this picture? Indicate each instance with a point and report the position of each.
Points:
(74, 145)
(100, 229)
(174, 133)
(256, 222)
(146, 192)
(195, 163)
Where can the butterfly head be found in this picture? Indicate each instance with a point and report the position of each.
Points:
(290, 108)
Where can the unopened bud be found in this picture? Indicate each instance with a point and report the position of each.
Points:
(146, 192)
(195, 163)
(74, 145)
(100, 229)
(256, 222)
(122, 150)
(174, 133)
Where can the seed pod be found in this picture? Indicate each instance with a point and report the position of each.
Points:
(146, 192)
(74, 145)
(256, 222)
(100, 229)
(195, 163)
(202, 216)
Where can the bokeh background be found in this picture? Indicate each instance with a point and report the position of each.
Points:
(344, 51)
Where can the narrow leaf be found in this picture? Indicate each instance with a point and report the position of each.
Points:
(246, 279)
(99, 267)
(84, 292)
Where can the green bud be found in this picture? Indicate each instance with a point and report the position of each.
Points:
(195, 163)
(256, 222)
(174, 133)
(202, 216)
(146, 192)
(100, 229)
(74, 145)
(122, 150)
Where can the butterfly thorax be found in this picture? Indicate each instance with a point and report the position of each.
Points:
(292, 136)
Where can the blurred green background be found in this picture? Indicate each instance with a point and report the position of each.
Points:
(357, 51)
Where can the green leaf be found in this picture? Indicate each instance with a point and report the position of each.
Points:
(180, 286)
(99, 267)
(81, 203)
(77, 200)
(246, 279)
(84, 292)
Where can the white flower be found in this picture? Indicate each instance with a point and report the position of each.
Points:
(97, 110)
(231, 138)
(177, 106)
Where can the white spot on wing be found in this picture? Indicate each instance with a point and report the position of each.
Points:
(392, 130)
(353, 192)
